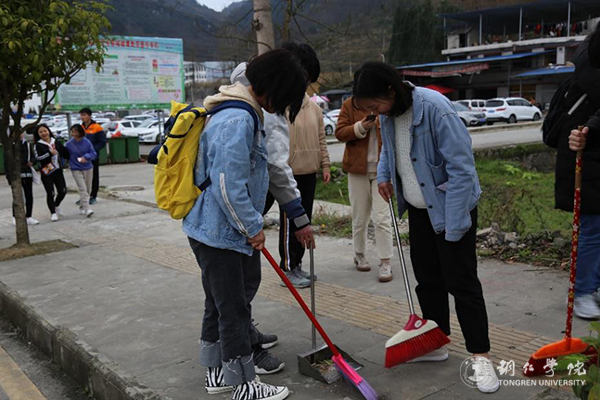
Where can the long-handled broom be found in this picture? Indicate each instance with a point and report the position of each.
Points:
(345, 369)
(419, 335)
(567, 345)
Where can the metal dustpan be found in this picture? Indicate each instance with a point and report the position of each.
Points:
(317, 362)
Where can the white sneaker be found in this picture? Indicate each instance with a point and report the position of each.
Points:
(89, 212)
(586, 307)
(487, 381)
(54, 217)
(440, 354)
(32, 221)
(385, 271)
(59, 212)
(81, 211)
(254, 390)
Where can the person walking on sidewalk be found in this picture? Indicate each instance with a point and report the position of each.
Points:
(95, 133)
(27, 160)
(585, 81)
(82, 153)
(427, 159)
(225, 226)
(49, 152)
(360, 131)
(308, 155)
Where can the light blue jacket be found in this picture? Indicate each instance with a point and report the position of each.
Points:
(230, 210)
(442, 156)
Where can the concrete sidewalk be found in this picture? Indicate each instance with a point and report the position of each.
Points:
(129, 296)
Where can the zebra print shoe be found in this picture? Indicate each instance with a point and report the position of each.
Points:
(214, 382)
(254, 390)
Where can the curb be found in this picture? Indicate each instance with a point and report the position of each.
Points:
(515, 127)
(100, 377)
(483, 129)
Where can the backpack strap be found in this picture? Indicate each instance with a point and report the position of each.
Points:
(236, 104)
(223, 106)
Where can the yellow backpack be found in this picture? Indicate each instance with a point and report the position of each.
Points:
(175, 158)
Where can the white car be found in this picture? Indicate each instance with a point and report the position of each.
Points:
(474, 104)
(330, 121)
(511, 110)
(141, 117)
(126, 128)
(469, 118)
(151, 132)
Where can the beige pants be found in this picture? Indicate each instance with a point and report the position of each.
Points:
(366, 202)
(83, 179)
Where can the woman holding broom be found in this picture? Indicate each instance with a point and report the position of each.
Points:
(427, 158)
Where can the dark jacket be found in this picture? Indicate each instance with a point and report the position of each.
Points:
(586, 79)
(26, 157)
(96, 135)
(44, 156)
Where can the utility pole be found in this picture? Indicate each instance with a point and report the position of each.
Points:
(263, 26)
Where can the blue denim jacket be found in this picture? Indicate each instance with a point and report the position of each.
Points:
(230, 210)
(442, 155)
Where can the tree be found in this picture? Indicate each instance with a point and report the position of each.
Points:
(44, 43)
(263, 25)
(416, 22)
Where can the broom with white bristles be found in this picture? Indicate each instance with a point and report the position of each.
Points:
(419, 335)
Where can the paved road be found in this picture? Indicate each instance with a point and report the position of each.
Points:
(499, 138)
(26, 374)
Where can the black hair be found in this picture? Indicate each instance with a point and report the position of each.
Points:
(79, 129)
(279, 76)
(375, 79)
(307, 57)
(594, 48)
(85, 110)
(36, 135)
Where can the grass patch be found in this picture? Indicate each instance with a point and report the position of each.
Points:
(333, 225)
(336, 191)
(15, 252)
(518, 200)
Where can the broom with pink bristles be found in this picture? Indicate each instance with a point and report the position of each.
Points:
(419, 335)
(338, 360)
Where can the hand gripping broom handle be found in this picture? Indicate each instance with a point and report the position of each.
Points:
(402, 261)
(575, 241)
(300, 301)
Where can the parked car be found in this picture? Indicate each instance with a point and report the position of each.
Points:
(469, 118)
(330, 121)
(141, 117)
(62, 129)
(121, 128)
(511, 110)
(150, 133)
(473, 105)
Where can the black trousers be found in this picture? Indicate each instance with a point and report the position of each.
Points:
(230, 280)
(95, 179)
(27, 184)
(291, 250)
(55, 179)
(442, 267)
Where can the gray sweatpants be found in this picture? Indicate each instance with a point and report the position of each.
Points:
(83, 179)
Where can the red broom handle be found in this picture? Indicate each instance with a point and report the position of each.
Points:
(574, 241)
(300, 301)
